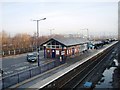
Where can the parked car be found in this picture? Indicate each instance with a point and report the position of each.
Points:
(32, 57)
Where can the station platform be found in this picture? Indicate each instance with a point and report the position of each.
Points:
(47, 77)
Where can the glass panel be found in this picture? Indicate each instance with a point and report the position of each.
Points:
(57, 46)
(53, 46)
(57, 52)
(48, 46)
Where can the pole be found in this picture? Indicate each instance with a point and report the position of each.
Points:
(88, 34)
(51, 31)
(37, 41)
(37, 46)
(37, 28)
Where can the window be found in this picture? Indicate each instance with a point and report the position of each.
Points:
(53, 46)
(57, 46)
(64, 47)
(67, 52)
(57, 52)
(75, 50)
(48, 46)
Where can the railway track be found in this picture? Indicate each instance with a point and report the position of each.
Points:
(77, 75)
(92, 71)
(84, 72)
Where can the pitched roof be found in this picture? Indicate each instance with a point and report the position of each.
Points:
(68, 41)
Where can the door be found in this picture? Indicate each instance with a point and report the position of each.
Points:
(73, 51)
(53, 53)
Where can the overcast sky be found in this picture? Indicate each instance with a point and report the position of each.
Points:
(99, 17)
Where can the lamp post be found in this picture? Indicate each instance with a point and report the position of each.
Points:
(37, 46)
(87, 34)
(51, 31)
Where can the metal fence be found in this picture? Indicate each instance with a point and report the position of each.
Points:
(18, 51)
(13, 79)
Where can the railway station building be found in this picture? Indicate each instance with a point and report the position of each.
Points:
(64, 47)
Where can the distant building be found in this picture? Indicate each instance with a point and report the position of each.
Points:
(64, 47)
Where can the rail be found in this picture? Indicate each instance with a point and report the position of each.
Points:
(94, 67)
(64, 78)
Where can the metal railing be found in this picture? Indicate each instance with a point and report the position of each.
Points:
(5, 53)
(15, 78)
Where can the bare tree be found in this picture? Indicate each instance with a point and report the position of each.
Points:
(21, 41)
(4, 40)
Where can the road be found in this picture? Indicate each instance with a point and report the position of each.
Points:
(12, 64)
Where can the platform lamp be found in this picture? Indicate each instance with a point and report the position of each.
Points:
(37, 46)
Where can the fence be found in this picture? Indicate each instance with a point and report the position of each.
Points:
(17, 51)
(13, 79)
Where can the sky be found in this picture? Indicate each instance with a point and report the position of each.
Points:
(65, 17)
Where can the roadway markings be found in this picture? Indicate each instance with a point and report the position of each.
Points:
(16, 65)
(8, 72)
(34, 64)
(21, 68)
(4, 68)
(116, 54)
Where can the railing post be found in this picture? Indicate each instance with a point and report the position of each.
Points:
(40, 68)
(54, 63)
(48, 66)
(18, 78)
(2, 83)
(30, 72)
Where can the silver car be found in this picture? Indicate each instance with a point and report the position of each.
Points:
(31, 57)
